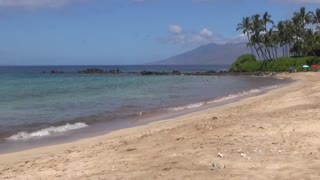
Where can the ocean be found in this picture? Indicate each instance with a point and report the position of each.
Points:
(36, 107)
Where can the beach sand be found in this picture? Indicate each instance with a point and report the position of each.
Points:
(271, 136)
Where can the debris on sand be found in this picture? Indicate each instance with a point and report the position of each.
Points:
(217, 166)
(220, 155)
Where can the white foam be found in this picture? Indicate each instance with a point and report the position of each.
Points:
(224, 98)
(46, 132)
(190, 106)
(241, 94)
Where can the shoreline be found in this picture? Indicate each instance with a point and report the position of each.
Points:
(269, 136)
(103, 128)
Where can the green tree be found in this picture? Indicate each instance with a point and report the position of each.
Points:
(300, 19)
(316, 18)
(257, 28)
(245, 27)
(294, 36)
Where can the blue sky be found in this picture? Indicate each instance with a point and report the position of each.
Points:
(104, 32)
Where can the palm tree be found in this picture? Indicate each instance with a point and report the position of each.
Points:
(266, 18)
(275, 38)
(300, 19)
(254, 41)
(309, 42)
(289, 35)
(257, 28)
(267, 37)
(316, 18)
(293, 36)
(245, 26)
(281, 35)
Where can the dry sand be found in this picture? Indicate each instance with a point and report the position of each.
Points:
(271, 136)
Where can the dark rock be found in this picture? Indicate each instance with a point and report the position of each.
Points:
(56, 72)
(211, 72)
(148, 73)
(145, 73)
(92, 71)
(175, 72)
(114, 71)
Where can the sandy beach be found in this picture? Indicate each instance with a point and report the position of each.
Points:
(270, 136)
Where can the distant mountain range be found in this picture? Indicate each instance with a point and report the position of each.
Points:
(208, 54)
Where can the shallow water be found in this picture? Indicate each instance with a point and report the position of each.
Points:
(36, 105)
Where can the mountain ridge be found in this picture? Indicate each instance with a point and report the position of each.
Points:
(211, 53)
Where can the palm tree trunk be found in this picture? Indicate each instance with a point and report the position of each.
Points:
(268, 51)
(273, 53)
(250, 44)
(257, 51)
(263, 53)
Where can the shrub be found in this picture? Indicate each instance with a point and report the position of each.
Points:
(248, 63)
(244, 63)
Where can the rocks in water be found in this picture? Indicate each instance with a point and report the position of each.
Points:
(99, 71)
(146, 73)
(92, 71)
(114, 71)
(217, 166)
(55, 72)
(175, 72)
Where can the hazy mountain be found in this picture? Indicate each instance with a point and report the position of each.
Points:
(208, 54)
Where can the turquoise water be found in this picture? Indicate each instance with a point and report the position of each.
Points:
(31, 101)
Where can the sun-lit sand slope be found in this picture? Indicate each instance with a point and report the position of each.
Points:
(272, 136)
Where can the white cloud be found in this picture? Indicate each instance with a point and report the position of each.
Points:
(204, 36)
(173, 28)
(238, 39)
(206, 33)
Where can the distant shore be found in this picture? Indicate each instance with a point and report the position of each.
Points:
(222, 72)
(270, 136)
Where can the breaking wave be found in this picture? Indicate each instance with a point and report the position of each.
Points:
(46, 132)
(190, 106)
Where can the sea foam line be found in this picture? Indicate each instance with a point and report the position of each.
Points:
(46, 132)
(189, 106)
(221, 99)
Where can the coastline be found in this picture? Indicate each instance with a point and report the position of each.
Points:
(270, 136)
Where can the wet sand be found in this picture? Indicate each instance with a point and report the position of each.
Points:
(270, 136)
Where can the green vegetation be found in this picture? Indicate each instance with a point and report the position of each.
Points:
(245, 63)
(248, 63)
(298, 36)
(282, 46)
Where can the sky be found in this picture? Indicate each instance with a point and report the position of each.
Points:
(119, 32)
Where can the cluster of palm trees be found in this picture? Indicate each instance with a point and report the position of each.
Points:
(299, 36)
